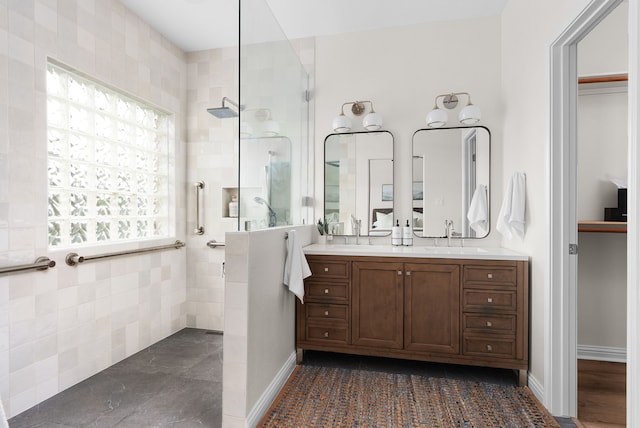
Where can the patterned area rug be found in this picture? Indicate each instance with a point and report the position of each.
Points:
(335, 397)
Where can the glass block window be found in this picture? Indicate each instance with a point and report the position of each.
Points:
(108, 163)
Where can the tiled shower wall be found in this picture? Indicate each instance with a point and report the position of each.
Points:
(212, 157)
(61, 326)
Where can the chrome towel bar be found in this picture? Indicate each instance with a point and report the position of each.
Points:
(41, 263)
(73, 259)
(214, 244)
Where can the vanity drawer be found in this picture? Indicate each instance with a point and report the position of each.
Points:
(319, 291)
(489, 346)
(318, 333)
(503, 275)
(322, 312)
(483, 300)
(483, 323)
(329, 268)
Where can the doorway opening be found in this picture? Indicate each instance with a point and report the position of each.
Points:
(561, 345)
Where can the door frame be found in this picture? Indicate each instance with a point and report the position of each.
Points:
(560, 377)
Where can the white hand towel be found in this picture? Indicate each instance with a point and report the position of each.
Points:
(477, 214)
(511, 216)
(296, 268)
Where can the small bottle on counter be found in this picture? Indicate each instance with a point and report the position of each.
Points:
(233, 206)
(396, 234)
(407, 235)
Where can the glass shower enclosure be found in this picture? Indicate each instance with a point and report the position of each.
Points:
(273, 124)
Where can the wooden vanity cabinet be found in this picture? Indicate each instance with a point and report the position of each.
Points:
(459, 311)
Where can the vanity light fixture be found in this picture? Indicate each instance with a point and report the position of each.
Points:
(438, 117)
(262, 121)
(371, 122)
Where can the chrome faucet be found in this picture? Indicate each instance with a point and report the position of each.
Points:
(448, 231)
(357, 224)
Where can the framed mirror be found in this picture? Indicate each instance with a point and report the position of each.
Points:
(358, 183)
(451, 174)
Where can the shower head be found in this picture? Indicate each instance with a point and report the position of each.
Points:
(272, 213)
(224, 112)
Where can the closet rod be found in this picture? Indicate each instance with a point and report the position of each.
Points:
(41, 263)
(73, 259)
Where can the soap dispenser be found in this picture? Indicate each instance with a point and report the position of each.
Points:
(407, 235)
(396, 234)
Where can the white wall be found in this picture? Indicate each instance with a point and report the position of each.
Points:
(402, 70)
(526, 103)
(259, 339)
(62, 326)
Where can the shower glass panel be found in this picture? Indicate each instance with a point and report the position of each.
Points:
(274, 152)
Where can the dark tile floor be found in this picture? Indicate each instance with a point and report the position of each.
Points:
(177, 382)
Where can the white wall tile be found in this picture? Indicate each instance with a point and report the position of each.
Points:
(69, 322)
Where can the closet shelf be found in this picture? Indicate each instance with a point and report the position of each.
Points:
(602, 226)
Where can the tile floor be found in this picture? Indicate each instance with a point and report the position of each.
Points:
(177, 382)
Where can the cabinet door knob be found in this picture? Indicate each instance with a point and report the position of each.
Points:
(490, 275)
(326, 334)
(326, 269)
(326, 291)
(489, 324)
(326, 313)
(489, 299)
(408, 273)
(489, 348)
(399, 273)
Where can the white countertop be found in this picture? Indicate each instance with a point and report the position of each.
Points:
(480, 253)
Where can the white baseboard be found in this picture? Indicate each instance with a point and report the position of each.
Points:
(536, 387)
(602, 353)
(270, 394)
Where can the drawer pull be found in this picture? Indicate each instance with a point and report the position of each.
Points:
(489, 347)
(326, 334)
(489, 299)
(489, 324)
(326, 291)
(326, 313)
(326, 269)
(490, 275)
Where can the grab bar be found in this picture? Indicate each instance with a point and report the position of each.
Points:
(199, 230)
(41, 263)
(73, 258)
(214, 244)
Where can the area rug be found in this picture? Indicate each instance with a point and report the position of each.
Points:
(336, 397)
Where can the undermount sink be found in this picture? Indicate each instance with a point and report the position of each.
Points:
(454, 250)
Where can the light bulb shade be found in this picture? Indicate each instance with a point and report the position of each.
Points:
(469, 115)
(437, 118)
(372, 121)
(341, 123)
(270, 128)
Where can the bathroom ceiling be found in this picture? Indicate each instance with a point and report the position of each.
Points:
(195, 25)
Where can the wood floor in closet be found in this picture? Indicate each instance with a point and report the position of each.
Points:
(601, 394)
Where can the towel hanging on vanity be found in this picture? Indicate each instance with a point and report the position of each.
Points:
(296, 268)
(511, 216)
(478, 212)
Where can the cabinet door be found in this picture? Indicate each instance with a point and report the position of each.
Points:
(376, 304)
(432, 308)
